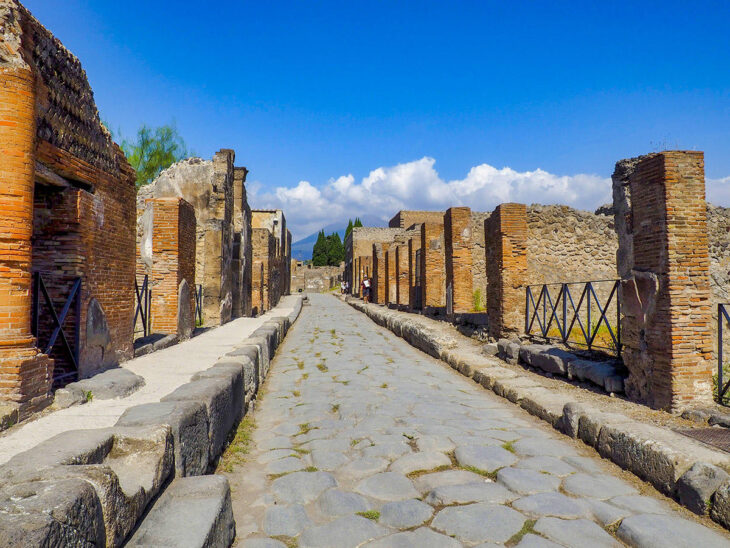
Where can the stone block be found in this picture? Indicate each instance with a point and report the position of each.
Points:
(188, 421)
(569, 424)
(553, 360)
(264, 355)
(113, 383)
(528, 352)
(232, 370)
(51, 513)
(721, 505)
(9, 415)
(545, 404)
(490, 349)
(508, 350)
(217, 395)
(697, 485)
(251, 355)
(191, 513)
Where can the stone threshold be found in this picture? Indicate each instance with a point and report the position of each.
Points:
(638, 439)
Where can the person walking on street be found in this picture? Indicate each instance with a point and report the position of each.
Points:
(366, 289)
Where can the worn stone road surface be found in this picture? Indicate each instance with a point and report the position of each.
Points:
(362, 440)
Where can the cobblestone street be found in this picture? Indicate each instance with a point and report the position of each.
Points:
(362, 440)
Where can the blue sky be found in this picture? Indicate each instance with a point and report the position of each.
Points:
(342, 107)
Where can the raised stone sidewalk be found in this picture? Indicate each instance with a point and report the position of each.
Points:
(639, 440)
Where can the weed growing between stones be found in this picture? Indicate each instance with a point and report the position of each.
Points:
(302, 451)
(296, 393)
(508, 446)
(527, 527)
(300, 364)
(418, 473)
(322, 367)
(335, 407)
(239, 447)
(474, 469)
(289, 542)
(370, 514)
(311, 469)
(363, 369)
(88, 396)
(354, 442)
(384, 385)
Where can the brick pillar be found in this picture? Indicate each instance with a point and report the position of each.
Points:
(506, 248)
(378, 285)
(666, 328)
(402, 293)
(433, 288)
(173, 261)
(391, 286)
(414, 245)
(25, 374)
(458, 255)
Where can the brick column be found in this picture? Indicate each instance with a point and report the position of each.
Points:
(506, 248)
(173, 261)
(457, 251)
(433, 289)
(414, 245)
(666, 328)
(25, 374)
(402, 286)
(378, 284)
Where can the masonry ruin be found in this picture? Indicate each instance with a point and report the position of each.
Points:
(271, 259)
(68, 221)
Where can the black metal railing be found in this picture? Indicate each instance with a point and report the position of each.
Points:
(555, 314)
(61, 374)
(198, 305)
(143, 300)
(722, 386)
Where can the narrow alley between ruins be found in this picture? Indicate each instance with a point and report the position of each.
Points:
(359, 439)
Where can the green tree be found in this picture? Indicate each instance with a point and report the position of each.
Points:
(358, 222)
(152, 150)
(319, 251)
(335, 250)
(348, 229)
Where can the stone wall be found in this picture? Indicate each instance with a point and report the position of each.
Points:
(478, 259)
(66, 183)
(458, 238)
(359, 243)
(277, 274)
(242, 252)
(569, 245)
(433, 278)
(406, 218)
(316, 279)
(263, 246)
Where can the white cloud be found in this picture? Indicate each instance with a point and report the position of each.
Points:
(718, 191)
(417, 185)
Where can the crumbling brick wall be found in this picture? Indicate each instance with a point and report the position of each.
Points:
(458, 258)
(209, 187)
(661, 214)
(407, 218)
(242, 252)
(263, 246)
(478, 258)
(414, 269)
(433, 276)
(279, 260)
(379, 284)
(77, 201)
(359, 243)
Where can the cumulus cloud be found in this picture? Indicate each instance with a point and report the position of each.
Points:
(417, 185)
(718, 191)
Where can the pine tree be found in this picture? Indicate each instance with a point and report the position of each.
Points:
(358, 222)
(319, 251)
(348, 229)
(335, 250)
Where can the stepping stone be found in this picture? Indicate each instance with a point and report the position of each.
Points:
(285, 465)
(605, 513)
(263, 543)
(533, 447)
(301, 487)
(576, 533)
(339, 445)
(276, 454)
(286, 429)
(279, 442)
(405, 514)
(387, 486)
(366, 466)
(388, 450)
(551, 465)
(286, 520)
(600, 487)
(586, 464)
(347, 532)
(551, 504)
(647, 530)
(337, 503)
(527, 482)
(638, 504)
(420, 538)
(428, 482)
(484, 458)
(484, 491)
(420, 461)
(479, 522)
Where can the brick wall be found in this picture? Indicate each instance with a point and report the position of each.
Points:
(263, 247)
(359, 243)
(458, 257)
(407, 218)
(506, 239)
(478, 256)
(241, 265)
(403, 291)
(666, 327)
(414, 273)
(391, 283)
(433, 275)
(379, 281)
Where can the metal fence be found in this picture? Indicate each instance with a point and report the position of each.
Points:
(556, 315)
(45, 310)
(722, 386)
(143, 304)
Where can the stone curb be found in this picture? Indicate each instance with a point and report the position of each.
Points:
(679, 467)
(78, 474)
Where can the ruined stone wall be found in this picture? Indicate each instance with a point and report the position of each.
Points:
(208, 186)
(82, 214)
(458, 237)
(433, 275)
(359, 243)
(478, 259)
(262, 244)
(279, 261)
(408, 218)
(569, 245)
(241, 265)
(316, 279)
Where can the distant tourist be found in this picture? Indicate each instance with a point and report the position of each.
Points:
(366, 289)
(343, 285)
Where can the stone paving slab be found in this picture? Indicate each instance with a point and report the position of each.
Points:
(162, 371)
(414, 454)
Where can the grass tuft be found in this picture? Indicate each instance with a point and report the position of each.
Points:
(335, 407)
(384, 385)
(370, 514)
(322, 367)
(239, 447)
(509, 446)
(490, 475)
(527, 527)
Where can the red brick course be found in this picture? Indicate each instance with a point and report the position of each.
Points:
(458, 258)
(433, 280)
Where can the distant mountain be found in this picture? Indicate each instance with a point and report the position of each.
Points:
(302, 249)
